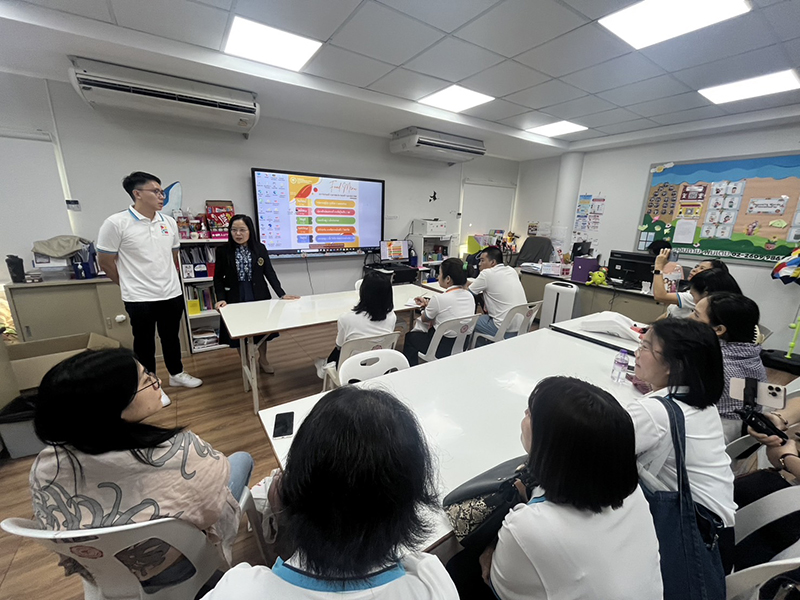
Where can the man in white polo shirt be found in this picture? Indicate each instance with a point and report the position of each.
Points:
(138, 250)
(501, 289)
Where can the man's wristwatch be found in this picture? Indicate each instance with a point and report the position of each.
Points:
(782, 460)
(657, 272)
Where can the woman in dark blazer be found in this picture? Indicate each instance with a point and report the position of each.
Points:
(242, 271)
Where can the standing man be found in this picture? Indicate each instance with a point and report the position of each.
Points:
(501, 289)
(138, 250)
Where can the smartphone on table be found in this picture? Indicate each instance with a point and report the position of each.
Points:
(284, 425)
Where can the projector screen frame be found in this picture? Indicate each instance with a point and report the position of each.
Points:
(360, 251)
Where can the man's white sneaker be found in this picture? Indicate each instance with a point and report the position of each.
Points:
(184, 380)
(319, 363)
(165, 401)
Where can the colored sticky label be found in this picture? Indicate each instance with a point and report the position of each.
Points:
(336, 229)
(304, 220)
(336, 221)
(304, 239)
(303, 211)
(335, 239)
(305, 229)
(335, 203)
(334, 211)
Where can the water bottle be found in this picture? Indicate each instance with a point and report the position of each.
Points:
(620, 369)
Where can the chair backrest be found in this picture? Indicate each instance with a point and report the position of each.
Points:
(529, 310)
(369, 364)
(376, 342)
(743, 585)
(358, 284)
(97, 549)
(462, 327)
(764, 511)
(739, 445)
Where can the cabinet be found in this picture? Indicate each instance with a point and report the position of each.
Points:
(424, 244)
(202, 320)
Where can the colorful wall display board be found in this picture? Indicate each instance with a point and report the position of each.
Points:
(747, 209)
(587, 219)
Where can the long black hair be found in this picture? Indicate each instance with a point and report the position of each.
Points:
(252, 241)
(375, 296)
(692, 352)
(80, 402)
(739, 315)
(714, 280)
(359, 480)
(564, 410)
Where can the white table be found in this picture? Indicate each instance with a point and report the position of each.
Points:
(245, 320)
(573, 327)
(470, 405)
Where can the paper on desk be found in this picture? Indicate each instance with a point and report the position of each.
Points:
(411, 302)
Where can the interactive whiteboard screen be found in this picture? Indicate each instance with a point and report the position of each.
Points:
(317, 215)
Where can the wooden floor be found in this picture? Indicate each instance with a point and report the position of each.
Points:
(220, 412)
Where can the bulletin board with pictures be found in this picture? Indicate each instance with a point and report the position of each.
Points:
(746, 209)
(588, 214)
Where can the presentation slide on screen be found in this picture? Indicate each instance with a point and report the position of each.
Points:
(307, 213)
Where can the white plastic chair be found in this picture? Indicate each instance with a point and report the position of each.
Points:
(373, 363)
(95, 550)
(462, 327)
(739, 445)
(358, 284)
(377, 342)
(744, 585)
(248, 506)
(528, 312)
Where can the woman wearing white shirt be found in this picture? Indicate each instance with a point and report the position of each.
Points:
(456, 302)
(587, 533)
(682, 359)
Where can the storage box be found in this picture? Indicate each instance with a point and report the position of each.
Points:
(31, 360)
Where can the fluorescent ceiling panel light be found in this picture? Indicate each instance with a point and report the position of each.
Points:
(654, 21)
(264, 44)
(456, 98)
(774, 83)
(557, 129)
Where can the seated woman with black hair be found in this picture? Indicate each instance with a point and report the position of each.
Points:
(585, 533)
(372, 316)
(352, 506)
(734, 319)
(103, 466)
(682, 360)
(455, 303)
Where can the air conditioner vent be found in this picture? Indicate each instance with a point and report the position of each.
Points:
(435, 145)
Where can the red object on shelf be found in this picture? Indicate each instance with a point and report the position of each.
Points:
(211, 268)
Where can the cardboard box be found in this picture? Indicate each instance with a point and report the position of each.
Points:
(31, 360)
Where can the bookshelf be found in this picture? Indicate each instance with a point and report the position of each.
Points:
(198, 260)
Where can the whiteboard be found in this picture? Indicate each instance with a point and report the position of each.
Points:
(31, 196)
(485, 208)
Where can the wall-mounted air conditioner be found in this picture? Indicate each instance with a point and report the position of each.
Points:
(435, 145)
(123, 89)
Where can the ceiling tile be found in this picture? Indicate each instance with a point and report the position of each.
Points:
(309, 18)
(735, 68)
(628, 126)
(546, 94)
(765, 2)
(586, 134)
(503, 79)
(583, 47)
(594, 9)
(763, 103)
(672, 104)
(693, 114)
(407, 84)
(223, 4)
(496, 110)
(724, 39)
(92, 9)
(642, 91)
(176, 20)
(384, 34)
(578, 108)
(444, 15)
(345, 66)
(529, 120)
(609, 117)
(784, 18)
(614, 73)
(453, 59)
(517, 25)
(793, 50)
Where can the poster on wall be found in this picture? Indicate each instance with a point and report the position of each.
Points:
(587, 219)
(747, 209)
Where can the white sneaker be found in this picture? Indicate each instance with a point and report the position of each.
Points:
(165, 401)
(319, 363)
(184, 380)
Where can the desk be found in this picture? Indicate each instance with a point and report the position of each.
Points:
(470, 405)
(245, 320)
(573, 327)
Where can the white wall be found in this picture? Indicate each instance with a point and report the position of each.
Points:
(99, 150)
(536, 196)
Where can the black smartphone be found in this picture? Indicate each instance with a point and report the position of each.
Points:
(284, 425)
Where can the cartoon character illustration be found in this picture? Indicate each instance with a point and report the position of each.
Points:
(597, 278)
(772, 243)
(752, 228)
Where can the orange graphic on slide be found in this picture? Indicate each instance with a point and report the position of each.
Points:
(305, 229)
(323, 229)
(300, 188)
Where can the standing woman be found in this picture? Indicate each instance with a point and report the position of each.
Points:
(242, 272)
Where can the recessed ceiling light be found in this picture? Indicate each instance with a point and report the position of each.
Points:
(264, 44)
(783, 81)
(456, 98)
(556, 129)
(654, 21)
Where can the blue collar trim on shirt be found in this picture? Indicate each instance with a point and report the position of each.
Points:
(537, 500)
(133, 214)
(307, 581)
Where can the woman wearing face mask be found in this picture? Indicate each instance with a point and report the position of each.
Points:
(241, 275)
(103, 466)
(734, 319)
